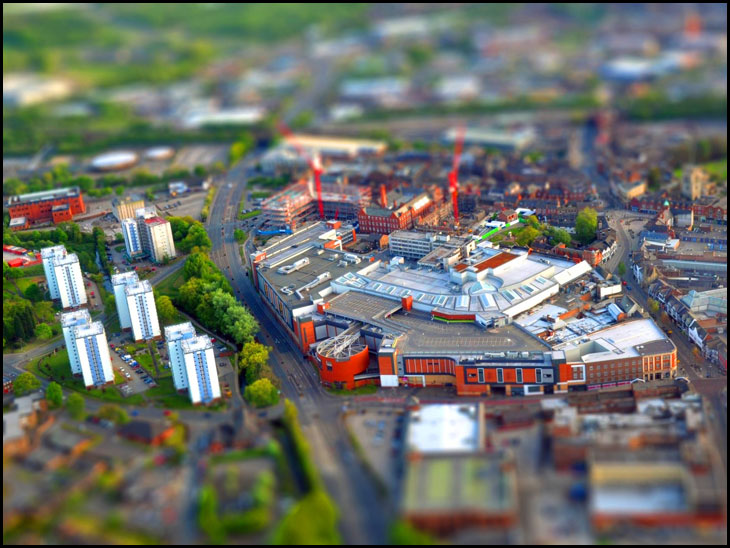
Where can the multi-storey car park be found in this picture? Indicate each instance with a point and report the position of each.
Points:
(473, 324)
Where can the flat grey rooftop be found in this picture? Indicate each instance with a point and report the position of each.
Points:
(318, 264)
(424, 335)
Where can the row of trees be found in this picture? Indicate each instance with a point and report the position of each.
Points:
(60, 176)
(208, 296)
(313, 519)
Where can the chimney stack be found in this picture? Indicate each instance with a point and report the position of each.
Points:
(383, 196)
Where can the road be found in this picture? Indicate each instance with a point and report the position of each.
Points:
(363, 514)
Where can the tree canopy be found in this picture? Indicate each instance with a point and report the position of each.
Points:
(261, 393)
(586, 224)
(25, 382)
(76, 406)
(54, 394)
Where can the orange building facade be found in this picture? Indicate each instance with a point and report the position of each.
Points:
(49, 206)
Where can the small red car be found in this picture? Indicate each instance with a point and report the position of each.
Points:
(624, 282)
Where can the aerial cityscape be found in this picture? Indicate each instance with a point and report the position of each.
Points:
(367, 273)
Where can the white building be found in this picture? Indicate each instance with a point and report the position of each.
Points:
(175, 335)
(48, 254)
(67, 274)
(93, 354)
(132, 238)
(203, 385)
(69, 322)
(142, 310)
(159, 238)
(119, 283)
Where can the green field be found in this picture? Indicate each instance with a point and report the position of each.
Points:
(171, 284)
(367, 389)
(243, 216)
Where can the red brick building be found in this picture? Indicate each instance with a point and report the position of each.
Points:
(396, 212)
(48, 206)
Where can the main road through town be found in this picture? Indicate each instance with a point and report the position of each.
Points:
(362, 513)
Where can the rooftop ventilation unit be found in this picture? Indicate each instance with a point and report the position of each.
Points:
(288, 269)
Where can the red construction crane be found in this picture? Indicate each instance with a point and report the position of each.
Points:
(454, 173)
(313, 161)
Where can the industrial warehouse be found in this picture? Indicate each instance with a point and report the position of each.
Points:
(484, 321)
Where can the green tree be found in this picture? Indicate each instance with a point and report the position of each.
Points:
(239, 235)
(25, 382)
(43, 331)
(252, 359)
(654, 178)
(14, 186)
(261, 393)
(198, 265)
(526, 236)
(54, 394)
(586, 224)
(621, 269)
(534, 222)
(558, 236)
(165, 309)
(653, 306)
(33, 293)
(119, 190)
(196, 236)
(76, 406)
(241, 325)
(312, 520)
(113, 413)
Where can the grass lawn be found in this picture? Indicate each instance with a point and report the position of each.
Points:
(165, 395)
(242, 216)
(145, 360)
(25, 283)
(717, 169)
(367, 389)
(260, 194)
(171, 284)
(113, 325)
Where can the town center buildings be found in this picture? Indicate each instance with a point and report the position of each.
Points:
(393, 322)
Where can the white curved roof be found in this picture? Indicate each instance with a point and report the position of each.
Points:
(159, 153)
(111, 159)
